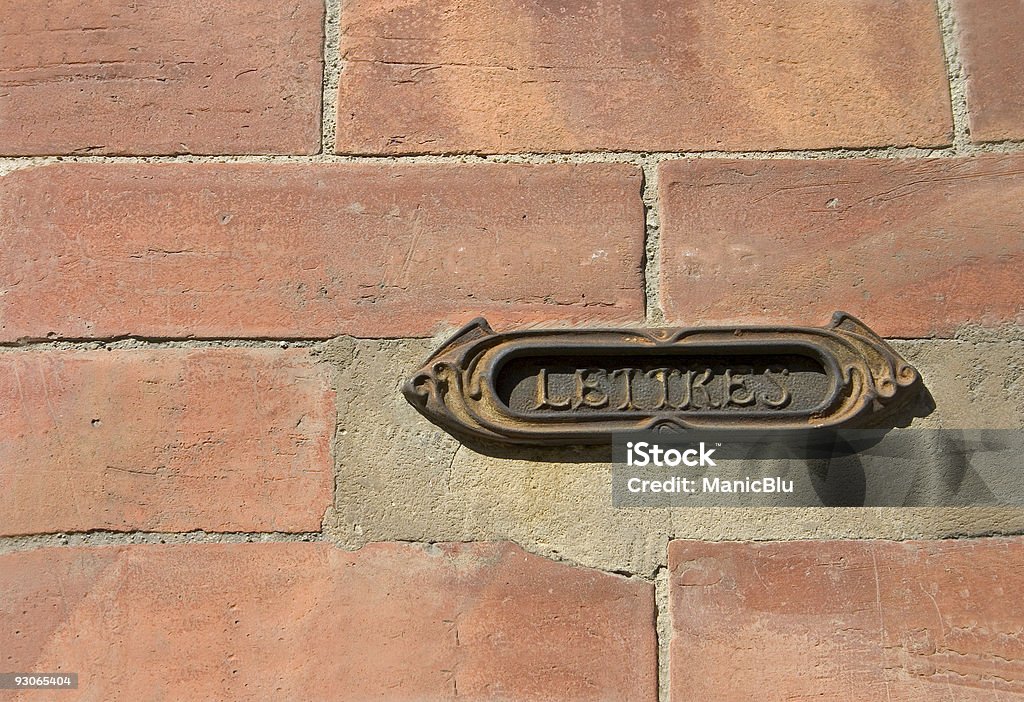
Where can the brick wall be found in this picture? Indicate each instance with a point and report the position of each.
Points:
(228, 231)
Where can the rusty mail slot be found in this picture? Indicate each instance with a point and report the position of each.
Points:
(580, 386)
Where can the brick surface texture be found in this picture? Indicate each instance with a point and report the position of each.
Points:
(918, 247)
(299, 621)
(164, 440)
(992, 36)
(488, 76)
(231, 231)
(159, 77)
(315, 251)
(855, 620)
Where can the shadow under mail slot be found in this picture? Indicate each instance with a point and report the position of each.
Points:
(862, 468)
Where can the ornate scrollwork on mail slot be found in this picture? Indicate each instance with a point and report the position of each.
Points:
(580, 386)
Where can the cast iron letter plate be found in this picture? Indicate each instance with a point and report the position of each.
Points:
(580, 386)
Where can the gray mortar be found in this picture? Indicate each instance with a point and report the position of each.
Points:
(9, 544)
(638, 158)
(139, 343)
(655, 311)
(663, 627)
(10, 164)
(957, 77)
(332, 73)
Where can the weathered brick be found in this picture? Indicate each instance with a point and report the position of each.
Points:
(247, 250)
(495, 76)
(159, 77)
(847, 620)
(164, 440)
(295, 621)
(992, 33)
(914, 248)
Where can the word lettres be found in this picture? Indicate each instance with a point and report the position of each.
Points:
(678, 389)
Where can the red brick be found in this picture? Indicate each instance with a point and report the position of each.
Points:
(914, 248)
(661, 75)
(159, 77)
(992, 33)
(250, 250)
(293, 621)
(862, 621)
(164, 440)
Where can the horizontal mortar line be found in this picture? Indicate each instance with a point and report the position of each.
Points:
(973, 333)
(987, 335)
(998, 147)
(577, 157)
(138, 342)
(529, 548)
(958, 535)
(102, 537)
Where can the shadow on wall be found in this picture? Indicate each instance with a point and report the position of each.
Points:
(890, 463)
(919, 404)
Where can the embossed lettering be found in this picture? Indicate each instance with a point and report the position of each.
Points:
(659, 375)
(685, 394)
(784, 397)
(588, 390)
(734, 383)
(571, 387)
(664, 388)
(627, 387)
(543, 401)
(701, 383)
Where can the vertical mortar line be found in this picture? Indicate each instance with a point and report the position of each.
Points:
(663, 629)
(957, 78)
(655, 314)
(332, 70)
